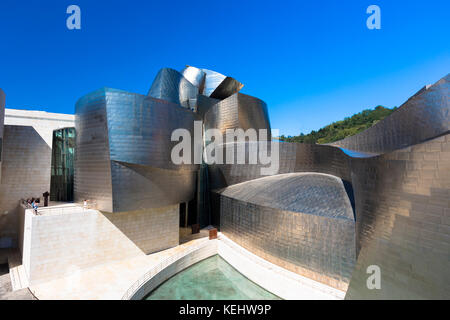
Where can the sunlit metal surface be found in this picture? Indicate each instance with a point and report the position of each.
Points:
(294, 157)
(227, 87)
(204, 103)
(195, 76)
(402, 215)
(170, 85)
(123, 152)
(396, 177)
(212, 81)
(423, 116)
(401, 204)
(238, 111)
(301, 221)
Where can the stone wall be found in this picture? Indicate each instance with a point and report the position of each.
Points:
(27, 143)
(70, 239)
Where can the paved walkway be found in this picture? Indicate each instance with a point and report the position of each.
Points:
(112, 280)
(105, 282)
(6, 292)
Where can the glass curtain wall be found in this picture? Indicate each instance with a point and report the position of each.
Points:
(63, 155)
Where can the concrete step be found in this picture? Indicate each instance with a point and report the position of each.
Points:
(19, 279)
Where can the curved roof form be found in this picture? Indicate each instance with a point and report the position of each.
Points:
(310, 193)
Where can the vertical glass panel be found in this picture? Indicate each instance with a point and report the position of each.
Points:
(61, 188)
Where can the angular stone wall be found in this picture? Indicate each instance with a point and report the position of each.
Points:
(27, 141)
(61, 242)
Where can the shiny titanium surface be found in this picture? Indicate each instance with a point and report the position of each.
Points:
(170, 85)
(238, 111)
(423, 116)
(212, 81)
(301, 221)
(123, 159)
(401, 200)
(396, 176)
(195, 76)
(226, 88)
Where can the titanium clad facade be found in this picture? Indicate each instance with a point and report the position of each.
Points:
(226, 88)
(238, 111)
(170, 85)
(133, 134)
(204, 103)
(402, 215)
(302, 222)
(92, 179)
(195, 76)
(401, 202)
(293, 157)
(384, 198)
(400, 197)
(424, 116)
(212, 81)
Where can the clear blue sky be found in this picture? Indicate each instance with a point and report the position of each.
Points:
(313, 62)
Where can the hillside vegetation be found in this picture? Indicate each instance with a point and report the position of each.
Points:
(344, 128)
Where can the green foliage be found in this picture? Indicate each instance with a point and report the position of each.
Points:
(344, 128)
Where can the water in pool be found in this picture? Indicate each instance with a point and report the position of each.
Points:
(210, 279)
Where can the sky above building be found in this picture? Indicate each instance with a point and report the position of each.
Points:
(312, 62)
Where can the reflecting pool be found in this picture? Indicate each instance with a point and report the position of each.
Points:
(210, 279)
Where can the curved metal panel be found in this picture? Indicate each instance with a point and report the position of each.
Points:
(424, 116)
(402, 215)
(212, 81)
(293, 157)
(170, 85)
(227, 87)
(302, 222)
(140, 129)
(92, 178)
(238, 111)
(195, 76)
(204, 103)
(401, 203)
(124, 144)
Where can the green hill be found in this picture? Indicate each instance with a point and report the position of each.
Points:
(344, 128)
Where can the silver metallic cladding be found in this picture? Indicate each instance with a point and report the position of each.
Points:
(423, 116)
(92, 179)
(195, 76)
(401, 197)
(170, 85)
(227, 87)
(212, 81)
(136, 132)
(301, 221)
(238, 111)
